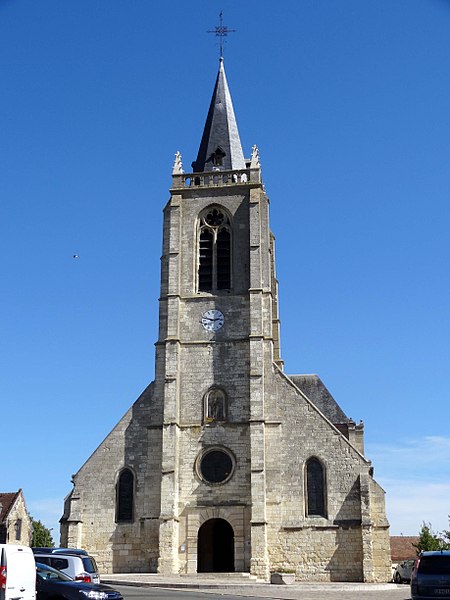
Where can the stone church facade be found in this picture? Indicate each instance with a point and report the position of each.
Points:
(226, 463)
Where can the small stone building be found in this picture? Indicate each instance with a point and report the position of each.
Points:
(15, 522)
(226, 463)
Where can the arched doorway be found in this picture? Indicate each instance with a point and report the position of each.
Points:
(215, 547)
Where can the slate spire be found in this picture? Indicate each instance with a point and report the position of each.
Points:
(220, 148)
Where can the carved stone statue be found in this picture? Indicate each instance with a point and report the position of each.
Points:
(215, 406)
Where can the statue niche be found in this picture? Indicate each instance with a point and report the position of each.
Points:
(215, 406)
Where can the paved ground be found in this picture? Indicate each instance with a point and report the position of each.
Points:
(235, 586)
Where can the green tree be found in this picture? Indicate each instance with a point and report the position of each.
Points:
(428, 540)
(446, 536)
(42, 536)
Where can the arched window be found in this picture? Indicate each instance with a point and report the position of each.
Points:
(215, 406)
(125, 496)
(214, 251)
(315, 488)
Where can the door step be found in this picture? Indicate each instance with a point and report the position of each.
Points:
(238, 576)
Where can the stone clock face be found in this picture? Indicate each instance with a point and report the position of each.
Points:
(213, 320)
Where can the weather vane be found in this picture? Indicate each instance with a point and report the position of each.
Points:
(221, 31)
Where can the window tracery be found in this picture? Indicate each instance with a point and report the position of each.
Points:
(214, 251)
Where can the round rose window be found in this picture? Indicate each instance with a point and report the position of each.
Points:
(216, 466)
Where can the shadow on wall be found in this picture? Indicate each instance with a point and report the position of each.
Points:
(135, 539)
(346, 563)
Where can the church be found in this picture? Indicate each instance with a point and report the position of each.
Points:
(225, 463)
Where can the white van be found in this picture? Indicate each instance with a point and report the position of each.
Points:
(17, 573)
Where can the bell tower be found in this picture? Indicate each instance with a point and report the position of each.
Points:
(218, 329)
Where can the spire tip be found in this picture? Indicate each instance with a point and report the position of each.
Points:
(221, 31)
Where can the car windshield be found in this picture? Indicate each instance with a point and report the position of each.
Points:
(434, 565)
(49, 574)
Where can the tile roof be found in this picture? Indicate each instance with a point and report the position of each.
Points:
(402, 547)
(7, 499)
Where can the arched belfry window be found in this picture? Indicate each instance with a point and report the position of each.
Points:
(315, 488)
(214, 252)
(215, 406)
(125, 496)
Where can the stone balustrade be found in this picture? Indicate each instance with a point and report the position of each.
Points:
(216, 178)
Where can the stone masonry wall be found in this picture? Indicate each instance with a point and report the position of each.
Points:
(329, 548)
(91, 514)
(381, 539)
(318, 554)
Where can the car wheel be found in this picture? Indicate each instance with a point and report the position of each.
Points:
(398, 578)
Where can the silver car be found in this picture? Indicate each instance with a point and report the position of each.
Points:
(79, 566)
(403, 570)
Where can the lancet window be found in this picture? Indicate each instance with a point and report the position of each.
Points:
(214, 251)
(18, 528)
(315, 488)
(125, 496)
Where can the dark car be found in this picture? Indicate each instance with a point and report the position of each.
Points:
(51, 583)
(430, 578)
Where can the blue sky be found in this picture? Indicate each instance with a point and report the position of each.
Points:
(348, 102)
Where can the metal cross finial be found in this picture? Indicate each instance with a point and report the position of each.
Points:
(221, 31)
